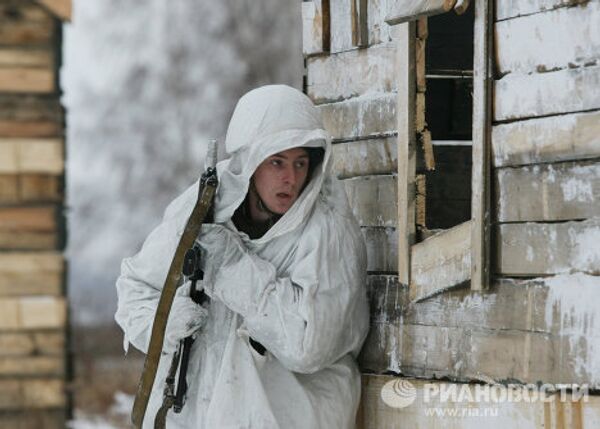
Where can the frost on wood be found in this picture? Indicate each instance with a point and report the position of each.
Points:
(559, 138)
(565, 91)
(572, 304)
(506, 9)
(365, 116)
(365, 157)
(535, 330)
(548, 192)
(529, 249)
(374, 199)
(566, 37)
(352, 73)
(399, 11)
(312, 27)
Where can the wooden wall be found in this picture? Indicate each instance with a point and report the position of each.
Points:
(537, 322)
(34, 365)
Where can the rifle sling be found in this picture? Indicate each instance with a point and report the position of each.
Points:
(172, 282)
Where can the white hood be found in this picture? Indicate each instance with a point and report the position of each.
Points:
(268, 120)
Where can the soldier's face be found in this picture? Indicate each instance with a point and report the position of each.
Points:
(280, 178)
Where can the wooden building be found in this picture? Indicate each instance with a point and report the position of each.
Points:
(468, 137)
(34, 363)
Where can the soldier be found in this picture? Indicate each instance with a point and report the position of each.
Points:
(285, 269)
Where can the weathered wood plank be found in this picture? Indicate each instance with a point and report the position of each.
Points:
(373, 200)
(564, 91)
(29, 273)
(31, 240)
(399, 11)
(30, 188)
(507, 9)
(341, 28)
(36, 393)
(18, 11)
(30, 129)
(26, 33)
(548, 192)
(352, 73)
(382, 249)
(470, 409)
(365, 116)
(27, 80)
(522, 43)
(31, 156)
(481, 155)
(441, 262)
(35, 419)
(41, 219)
(32, 312)
(62, 9)
(23, 107)
(32, 366)
(26, 57)
(558, 138)
(312, 27)
(406, 82)
(365, 157)
(532, 249)
(41, 343)
(541, 330)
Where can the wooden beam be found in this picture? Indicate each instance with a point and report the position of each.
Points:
(406, 83)
(27, 80)
(31, 273)
(523, 45)
(518, 96)
(558, 138)
(28, 218)
(32, 312)
(441, 262)
(534, 249)
(548, 192)
(33, 419)
(31, 156)
(23, 57)
(365, 157)
(62, 9)
(349, 74)
(21, 33)
(30, 108)
(399, 11)
(481, 159)
(30, 188)
(35, 393)
(30, 129)
(27, 366)
(507, 9)
(360, 117)
(342, 17)
(40, 343)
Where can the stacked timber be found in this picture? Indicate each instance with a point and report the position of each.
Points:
(33, 314)
(538, 320)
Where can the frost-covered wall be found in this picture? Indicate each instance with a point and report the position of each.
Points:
(146, 84)
(538, 322)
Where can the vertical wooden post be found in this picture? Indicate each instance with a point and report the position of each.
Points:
(482, 124)
(405, 66)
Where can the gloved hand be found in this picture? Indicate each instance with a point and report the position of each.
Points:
(185, 319)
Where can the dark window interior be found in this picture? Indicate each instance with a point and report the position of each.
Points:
(448, 104)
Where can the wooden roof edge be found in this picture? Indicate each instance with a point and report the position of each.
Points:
(62, 9)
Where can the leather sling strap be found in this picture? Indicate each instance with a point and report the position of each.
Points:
(173, 281)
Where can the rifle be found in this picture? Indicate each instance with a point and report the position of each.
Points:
(206, 193)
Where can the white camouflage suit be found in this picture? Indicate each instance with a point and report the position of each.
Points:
(299, 290)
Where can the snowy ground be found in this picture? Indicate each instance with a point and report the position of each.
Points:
(117, 416)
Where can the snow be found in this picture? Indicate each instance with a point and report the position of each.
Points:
(574, 299)
(118, 416)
